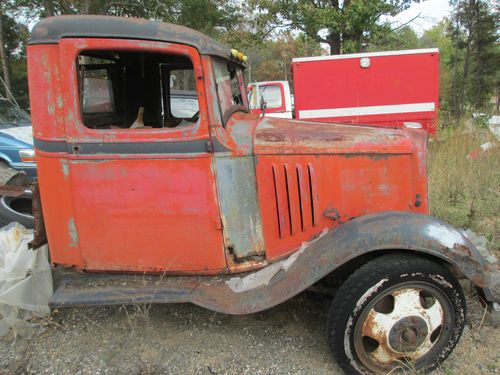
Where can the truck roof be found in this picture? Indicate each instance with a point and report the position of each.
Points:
(51, 30)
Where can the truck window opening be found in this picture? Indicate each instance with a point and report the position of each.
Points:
(133, 90)
(230, 87)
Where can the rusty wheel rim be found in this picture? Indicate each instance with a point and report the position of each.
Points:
(402, 326)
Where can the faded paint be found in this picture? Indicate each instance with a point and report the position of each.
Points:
(65, 167)
(316, 260)
(281, 136)
(239, 206)
(447, 238)
(265, 275)
(73, 233)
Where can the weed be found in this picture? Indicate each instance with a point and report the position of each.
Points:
(466, 192)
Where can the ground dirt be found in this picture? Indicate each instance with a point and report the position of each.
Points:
(186, 339)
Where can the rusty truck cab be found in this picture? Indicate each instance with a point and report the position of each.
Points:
(157, 185)
(133, 180)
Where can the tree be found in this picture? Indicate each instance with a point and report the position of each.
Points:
(3, 56)
(402, 38)
(272, 59)
(13, 37)
(485, 52)
(438, 37)
(344, 25)
(212, 17)
(474, 32)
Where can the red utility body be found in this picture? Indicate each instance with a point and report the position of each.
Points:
(393, 88)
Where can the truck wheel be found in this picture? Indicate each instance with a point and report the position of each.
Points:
(398, 311)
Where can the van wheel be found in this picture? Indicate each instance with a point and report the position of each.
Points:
(398, 311)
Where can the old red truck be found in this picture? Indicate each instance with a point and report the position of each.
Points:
(388, 88)
(148, 199)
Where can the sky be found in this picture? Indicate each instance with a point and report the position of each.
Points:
(430, 12)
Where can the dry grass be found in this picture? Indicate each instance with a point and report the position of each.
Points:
(463, 192)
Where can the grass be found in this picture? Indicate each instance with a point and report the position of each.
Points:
(466, 192)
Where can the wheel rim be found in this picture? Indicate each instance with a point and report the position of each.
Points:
(402, 325)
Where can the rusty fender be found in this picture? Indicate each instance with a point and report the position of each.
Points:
(280, 281)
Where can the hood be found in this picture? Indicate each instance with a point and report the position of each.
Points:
(22, 136)
(283, 136)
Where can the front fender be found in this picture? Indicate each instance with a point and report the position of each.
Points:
(383, 231)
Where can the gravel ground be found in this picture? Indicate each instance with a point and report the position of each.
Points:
(186, 339)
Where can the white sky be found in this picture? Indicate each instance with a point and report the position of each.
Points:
(431, 12)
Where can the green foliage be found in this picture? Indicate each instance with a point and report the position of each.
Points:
(212, 17)
(402, 38)
(474, 66)
(272, 59)
(15, 37)
(344, 25)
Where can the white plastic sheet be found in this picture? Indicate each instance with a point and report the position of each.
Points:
(25, 280)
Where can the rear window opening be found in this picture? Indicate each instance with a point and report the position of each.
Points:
(136, 90)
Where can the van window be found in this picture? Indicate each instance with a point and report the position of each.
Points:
(135, 90)
(270, 94)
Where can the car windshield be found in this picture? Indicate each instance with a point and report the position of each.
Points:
(230, 87)
(11, 114)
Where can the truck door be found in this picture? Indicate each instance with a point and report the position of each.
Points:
(143, 188)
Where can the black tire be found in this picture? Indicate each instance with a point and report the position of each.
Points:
(16, 209)
(400, 299)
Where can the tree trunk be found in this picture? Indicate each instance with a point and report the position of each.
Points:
(477, 100)
(334, 39)
(454, 88)
(335, 43)
(3, 56)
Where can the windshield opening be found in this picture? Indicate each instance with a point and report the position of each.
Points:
(230, 87)
(11, 114)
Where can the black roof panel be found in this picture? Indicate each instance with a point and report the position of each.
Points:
(50, 30)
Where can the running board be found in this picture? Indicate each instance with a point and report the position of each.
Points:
(82, 289)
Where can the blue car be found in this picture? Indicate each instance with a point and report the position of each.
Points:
(16, 139)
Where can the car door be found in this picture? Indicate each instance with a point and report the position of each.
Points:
(143, 188)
